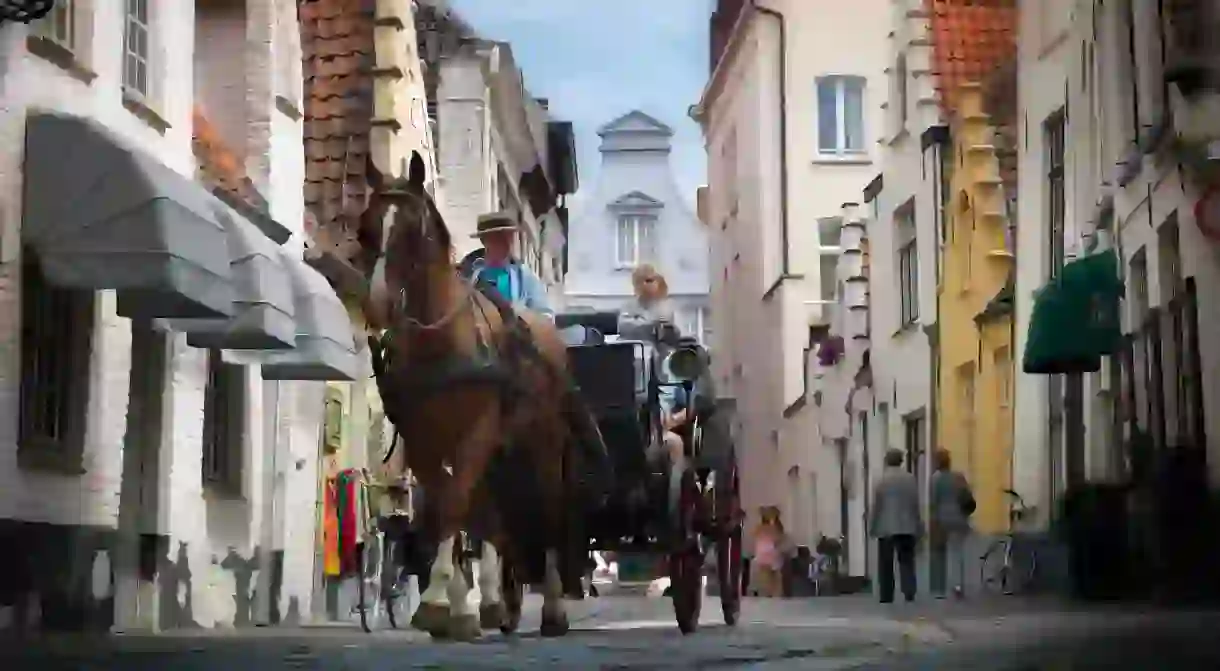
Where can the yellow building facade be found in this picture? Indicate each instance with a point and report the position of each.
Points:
(975, 316)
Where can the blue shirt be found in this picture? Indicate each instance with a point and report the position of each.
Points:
(672, 398)
(516, 283)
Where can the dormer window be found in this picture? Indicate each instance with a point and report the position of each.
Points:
(636, 240)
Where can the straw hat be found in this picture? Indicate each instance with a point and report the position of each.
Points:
(495, 221)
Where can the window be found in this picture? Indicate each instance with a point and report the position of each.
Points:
(830, 233)
(224, 424)
(965, 381)
(635, 241)
(900, 93)
(136, 50)
(1002, 360)
(908, 278)
(695, 324)
(841, 115)
(59, 26)
(908, 265)
(56, 337)
(913, 444)
(1056, 205)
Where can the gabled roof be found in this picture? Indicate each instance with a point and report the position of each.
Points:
(636, 199)
(635, 121)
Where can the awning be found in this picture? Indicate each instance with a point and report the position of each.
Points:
(325, 348)
(1075, 320)
(104, 216)
(264, 302)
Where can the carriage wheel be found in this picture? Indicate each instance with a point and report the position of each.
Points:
(728, 545)
(686, 559)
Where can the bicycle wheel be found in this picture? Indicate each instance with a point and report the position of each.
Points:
(391, 581)
(993, 569)
(367, 597)
(1007, 568)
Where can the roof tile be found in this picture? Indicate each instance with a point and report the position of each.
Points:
(338, 57)
(970, 38)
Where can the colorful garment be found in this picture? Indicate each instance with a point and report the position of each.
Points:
(330, 530)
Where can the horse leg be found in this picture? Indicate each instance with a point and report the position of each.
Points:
(491, 606)
(464, 597)
(432, 615)
(512, 591)
(554, 615)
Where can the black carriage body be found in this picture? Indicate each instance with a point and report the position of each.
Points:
(626, 407)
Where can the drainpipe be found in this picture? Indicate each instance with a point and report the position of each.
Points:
(937, 138)
(785, 266)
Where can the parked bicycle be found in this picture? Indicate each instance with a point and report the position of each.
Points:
(1007, 566)
(383, 572)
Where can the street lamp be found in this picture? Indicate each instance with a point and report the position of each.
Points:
(25, 11)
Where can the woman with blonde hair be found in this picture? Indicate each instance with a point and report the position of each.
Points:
(768, 562)
(639, 318)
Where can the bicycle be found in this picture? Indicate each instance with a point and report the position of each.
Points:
(1004, 566)
(382, 571)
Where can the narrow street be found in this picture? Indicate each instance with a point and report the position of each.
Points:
(630, 632)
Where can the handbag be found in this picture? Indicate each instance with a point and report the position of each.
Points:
(967, 502)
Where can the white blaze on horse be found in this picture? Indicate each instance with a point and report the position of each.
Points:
(471, 386)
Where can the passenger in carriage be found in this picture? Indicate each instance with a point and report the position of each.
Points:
(638, 320)
(498, 270)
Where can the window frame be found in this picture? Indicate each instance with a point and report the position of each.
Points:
(68, 333)
(840, 84)
(908, 283)
(829, 254)
(135, 20)
(46, 27)
(1054, 134)
(637, 221)
(224, 425)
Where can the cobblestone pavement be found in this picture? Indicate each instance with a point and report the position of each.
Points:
(620, 632)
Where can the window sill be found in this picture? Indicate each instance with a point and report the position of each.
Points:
(48, 457)
(908, 327)
(214, 490)
(135, 103)
(842, 159)
(59, 56)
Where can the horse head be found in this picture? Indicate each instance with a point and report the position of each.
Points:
(417, 250)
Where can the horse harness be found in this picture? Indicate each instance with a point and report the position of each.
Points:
(500, 366)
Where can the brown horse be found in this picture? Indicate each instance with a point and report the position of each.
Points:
(464, 380)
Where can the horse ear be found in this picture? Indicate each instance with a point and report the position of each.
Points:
(417, 172)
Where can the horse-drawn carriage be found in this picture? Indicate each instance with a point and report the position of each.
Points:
(679, 505)
(508, 433)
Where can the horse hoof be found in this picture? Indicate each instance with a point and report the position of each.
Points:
(464, 628)
(432, 618)
(553, 626)
(491, 615)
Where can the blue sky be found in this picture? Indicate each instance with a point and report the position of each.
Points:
(598, 59)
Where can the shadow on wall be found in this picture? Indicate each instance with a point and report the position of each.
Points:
(56, 577)
(174, 583)
(243, 569)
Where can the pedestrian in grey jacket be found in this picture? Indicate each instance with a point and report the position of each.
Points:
(896, 522)
(951, 502)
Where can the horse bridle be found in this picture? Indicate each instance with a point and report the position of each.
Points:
(399, 308)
